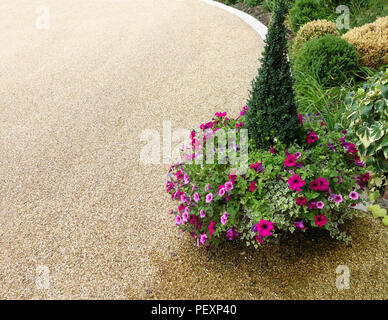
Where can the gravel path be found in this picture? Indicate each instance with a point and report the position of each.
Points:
(77, 203)
(75, 200)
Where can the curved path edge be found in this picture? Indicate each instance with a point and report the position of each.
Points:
(255, 24)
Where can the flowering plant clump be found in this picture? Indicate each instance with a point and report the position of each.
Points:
(283, 189)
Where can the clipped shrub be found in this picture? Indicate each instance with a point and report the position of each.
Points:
(272, 107)
(283, 189)
(313, 30)
(367, 111)
(371, 42)
(329, 59)
(305, 11)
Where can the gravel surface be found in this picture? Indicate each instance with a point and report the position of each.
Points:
(75, 198)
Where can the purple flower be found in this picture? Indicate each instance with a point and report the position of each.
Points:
(337, 198)
(300, 224)
(231, 233)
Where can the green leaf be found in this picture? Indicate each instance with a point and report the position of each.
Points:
(377, 211)
(384, 91)
(385, 220)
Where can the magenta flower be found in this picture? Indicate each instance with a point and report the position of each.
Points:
(211, 228)
(220, 114)
(324, 184)
(203, 238)
(300, 224)
(252, 186)
(295, 183)
(260, 239)
(196, 197)
(320, 204)
(178, 219)
(320, 220)
(320, 184)
(264, 228)
(365, 177)
(301, 201)
(194, 186)
(231, 233)
(224, 217)
(209, 197)
(290, 161)
(185, 216)
(337, 198)
(183, 198)
(221, 191)
(207, 188)
(202, 213)
(353, 195)
(229, 186)
(311, 137)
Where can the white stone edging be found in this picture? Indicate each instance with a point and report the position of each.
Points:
(255, 24)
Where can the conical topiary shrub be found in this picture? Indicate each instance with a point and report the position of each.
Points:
(272, 107)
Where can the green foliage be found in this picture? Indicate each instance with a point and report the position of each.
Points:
(231, 1)
(366, 11)
(378, 212)
(313, 98)
(367, 114)
(305, 11)
(252, 3)
(330, 59)
(272, 107)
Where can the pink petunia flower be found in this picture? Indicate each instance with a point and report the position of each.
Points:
(185, 216)
(221, 191)
(209, 197)
(252, 186)
(178, 219)
(211, 228)
(353, 195)
(320, 220)
(259, 238)
(311, 137)
(320, 204)
(290, 161)
(264, 228)
(337, 198)
(295, 183)
(229, 186)
(203, 238)
(196, 197)
(231, 233)
(202, 213)
(224, 217)
(300, 224)
(301, 201)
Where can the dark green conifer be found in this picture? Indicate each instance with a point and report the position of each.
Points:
(272, 107)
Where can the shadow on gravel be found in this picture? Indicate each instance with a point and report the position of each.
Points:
(302, 267)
